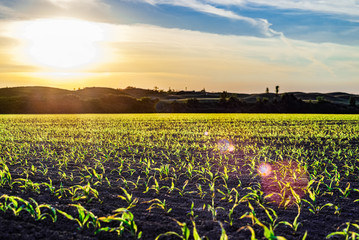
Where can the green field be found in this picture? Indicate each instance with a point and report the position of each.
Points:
(173, 176)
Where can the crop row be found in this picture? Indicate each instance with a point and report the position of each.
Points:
(201, 173)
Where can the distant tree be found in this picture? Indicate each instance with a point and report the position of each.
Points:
(267, 90)
(192, 102)
(156, 89)
(223, 97)
(203, 90)
(320, 99)
(262, 100)
(233, 101)
(352, 101)
(276, 90)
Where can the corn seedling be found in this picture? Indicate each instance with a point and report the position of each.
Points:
(191, 212)
(156, 203)
(295, 225)
(345, 193)
(86, 192)
(345, 232)
(268, 231)
(15, 204)
(212, 209)
(186, 232)
(126, 223)
(128, 198)
(85, 217)
(27, 184)
(49, 186)
(36, 212)
(5, 176)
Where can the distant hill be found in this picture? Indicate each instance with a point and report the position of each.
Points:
(131, 99)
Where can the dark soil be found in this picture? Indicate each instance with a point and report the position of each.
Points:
(154, 222)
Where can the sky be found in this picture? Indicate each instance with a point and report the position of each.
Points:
(239, 46)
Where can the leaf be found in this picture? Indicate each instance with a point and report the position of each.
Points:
(168, 234)
(223, 233)
(195, 233)
(65, 214)
(305, 235)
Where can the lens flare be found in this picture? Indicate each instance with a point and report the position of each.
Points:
(264, 169)
(231, 148)
(283, 182)
(225, 146)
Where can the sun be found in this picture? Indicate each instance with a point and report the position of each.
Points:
(62, 44)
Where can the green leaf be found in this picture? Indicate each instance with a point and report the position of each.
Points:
(195, 233)
(65, 214)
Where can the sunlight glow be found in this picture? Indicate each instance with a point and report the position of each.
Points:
(283, 182)
(225, 146)
(264, 169)
(62, 44)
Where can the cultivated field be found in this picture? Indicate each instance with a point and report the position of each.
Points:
(179, 176)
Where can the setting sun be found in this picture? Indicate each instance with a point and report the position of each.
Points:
(62, 44)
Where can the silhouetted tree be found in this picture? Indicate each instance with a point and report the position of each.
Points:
(192, 102)
(352, 101)
(233, 101)
(320, 99)
(223, 97)
(276, 90)
(267, 90)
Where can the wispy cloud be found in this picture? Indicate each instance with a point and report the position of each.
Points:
(345, 7)
(6, 12)
(145, 56)
(208, 7)
(71, 3)
(242, 61)
(30, 9)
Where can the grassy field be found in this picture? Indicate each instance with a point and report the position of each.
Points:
(179, 176)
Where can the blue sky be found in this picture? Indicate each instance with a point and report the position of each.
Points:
(302, 24)
(238, 45)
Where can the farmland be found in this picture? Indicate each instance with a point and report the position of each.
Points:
(179, 176)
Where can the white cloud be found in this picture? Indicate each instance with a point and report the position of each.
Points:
(206, 7)
(345, 7)
(215, 57)
(97, 10)
(71, 3)
(7, 12)
(202, 60)
(217, 8)
(146, 48)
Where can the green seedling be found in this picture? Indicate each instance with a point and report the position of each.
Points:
(186, 232)
(86, 193)
(156, 203)
(126, 223)
(5, 176)
(35, 211)
(128, 198)
(345, 232)
(345, 193)
(49, 186)
(295, 224)
(27, 184)
(85, 217)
